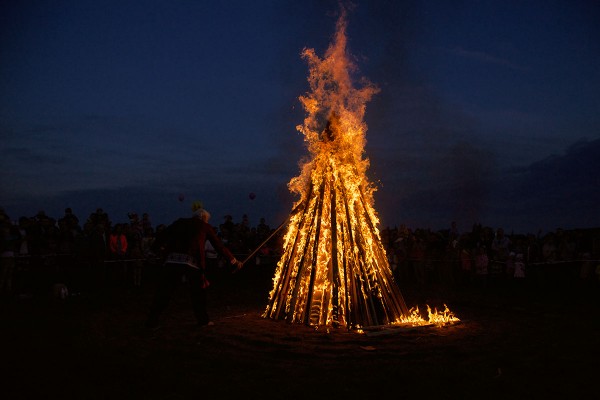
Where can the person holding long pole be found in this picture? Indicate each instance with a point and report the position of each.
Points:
(183, 244)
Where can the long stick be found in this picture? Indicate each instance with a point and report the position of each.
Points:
(265, 241)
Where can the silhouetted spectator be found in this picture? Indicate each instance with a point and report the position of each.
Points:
(501, 246)
(9, 247)
(416, 256)
(117, 245)
(147, 229)
(70, 220)
(184, 244)
(481, 266)
(97, 252)
(549, 248)
(134, 248)
(262, 230)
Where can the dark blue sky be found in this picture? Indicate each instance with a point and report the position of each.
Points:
(488, 111)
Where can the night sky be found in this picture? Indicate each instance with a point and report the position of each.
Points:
(488, 111)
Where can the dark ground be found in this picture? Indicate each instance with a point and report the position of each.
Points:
(537, 343)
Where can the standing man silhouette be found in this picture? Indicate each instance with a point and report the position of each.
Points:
(183, 245)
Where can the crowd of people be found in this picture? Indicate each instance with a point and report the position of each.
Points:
(489, 257)
(88, 255)
(41, 251)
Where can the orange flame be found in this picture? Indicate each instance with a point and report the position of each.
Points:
(434, 317)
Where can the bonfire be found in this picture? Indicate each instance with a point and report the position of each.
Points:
(334, 270)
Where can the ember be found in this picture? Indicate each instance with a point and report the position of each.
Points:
(334, 270)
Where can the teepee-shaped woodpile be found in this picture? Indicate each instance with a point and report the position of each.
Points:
(334, 270)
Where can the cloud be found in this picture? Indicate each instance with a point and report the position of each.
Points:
(486, 58)
(466, 185)
(558, 191)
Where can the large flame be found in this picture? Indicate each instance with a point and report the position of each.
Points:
(334, 270)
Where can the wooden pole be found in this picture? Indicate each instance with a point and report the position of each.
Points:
(302, 254)
(280, 291)
(315, 251)
(335, 278)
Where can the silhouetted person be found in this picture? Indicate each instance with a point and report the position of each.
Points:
(183, 244)
(97, 253)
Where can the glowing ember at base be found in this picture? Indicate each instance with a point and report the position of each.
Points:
(334, 270)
